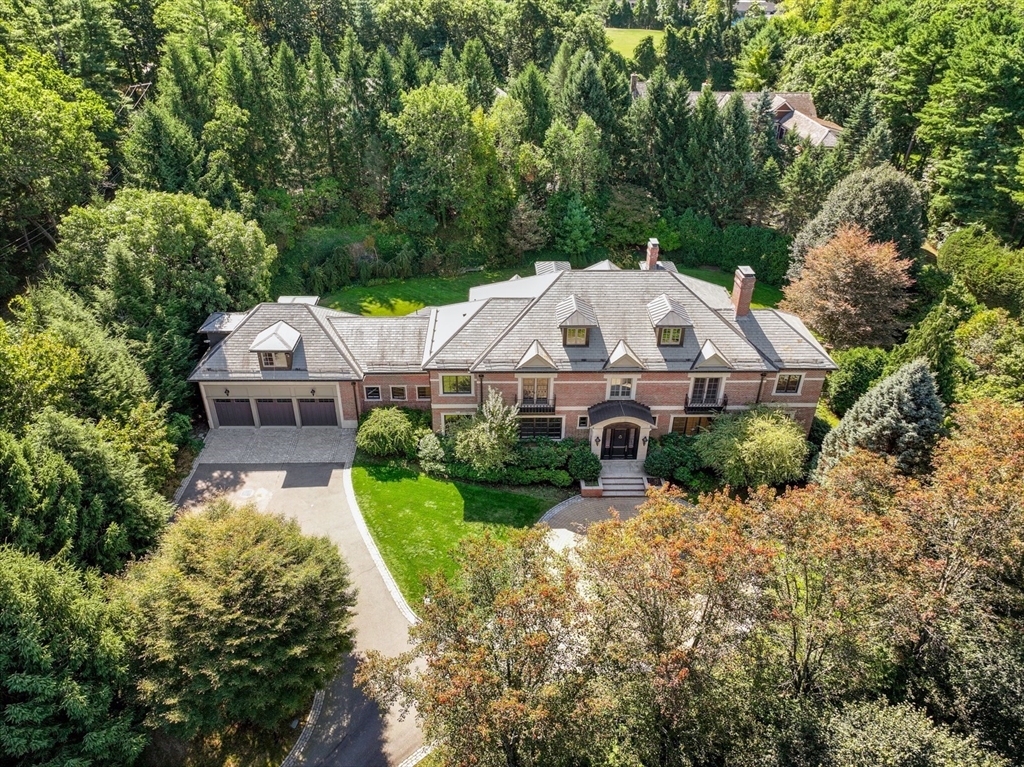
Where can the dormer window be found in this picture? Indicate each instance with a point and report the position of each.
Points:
(275, 360)
(576, 336)
(275, 346)
(670, 337)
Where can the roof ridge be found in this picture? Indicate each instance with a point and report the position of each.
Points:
(508, 328)
(339, 344)
(459, 329)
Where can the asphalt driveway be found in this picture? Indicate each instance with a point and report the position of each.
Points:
(350, 731)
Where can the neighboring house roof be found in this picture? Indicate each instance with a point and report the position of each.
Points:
(517, 324)
(547, 267)
(794, 110)
(312, 300)
(603, 266)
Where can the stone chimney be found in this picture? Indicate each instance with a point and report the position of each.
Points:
(652, 254)
(743, 290)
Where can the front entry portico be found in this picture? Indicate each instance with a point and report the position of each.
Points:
(620, 430)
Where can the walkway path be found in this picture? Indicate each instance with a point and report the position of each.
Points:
(571, 521)
(350, 731)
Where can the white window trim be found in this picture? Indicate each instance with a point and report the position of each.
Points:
(422, 386)
(519, 382)
(391, 393)
(565, 337)
(561, 418)
(581, 418)
(799, 388)
(368, 398)
(263, 359)
(661, 335)
(472, 385)
(444, 418)
(724, 377)
(608, 386)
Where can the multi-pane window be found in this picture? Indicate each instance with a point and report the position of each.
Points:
(706, 390)
(671, 336)
(788, 384)
(535, 391)
(532, 428)
(267, 359)
(422, 392)
(576, 336)
(456, 384)
(398, 393)
(583, 422)
(621, 388)
(373, 392)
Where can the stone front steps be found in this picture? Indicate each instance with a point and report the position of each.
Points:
(621, 487)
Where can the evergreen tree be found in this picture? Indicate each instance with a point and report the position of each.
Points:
(65, 665)
(704, 185)
(185, 86)
(385, 97)
(477, 74)
(531, 90)
(160, 152)
(882, 200)
(857, 127)
(294, 95)
(584, 91)
(876, 149)
(933, 339)
(559, 72)
(325, 120)
(448, 69)
(900, 416)
(802, 188)
(644, 56)
(575, 236)
(408, 64)
(212, 24)
(737, 172)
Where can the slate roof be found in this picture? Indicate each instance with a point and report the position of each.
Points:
(279, 337)
(319, 353)
(509, 323)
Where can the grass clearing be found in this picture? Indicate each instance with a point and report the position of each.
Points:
(418, 520)
(399, 297)
(625, 41)
(765, 296)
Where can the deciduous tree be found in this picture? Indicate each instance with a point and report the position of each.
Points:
(851, 290)
(763, 446)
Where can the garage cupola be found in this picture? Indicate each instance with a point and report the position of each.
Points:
(275, 346)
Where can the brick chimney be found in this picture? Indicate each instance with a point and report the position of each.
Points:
(652, 254)
(743, 290)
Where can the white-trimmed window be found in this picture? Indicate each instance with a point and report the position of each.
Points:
(275, 360)
(670, 337)
(398, 393)
(583, 422)
(267, 359)
(620, 388)
(706, 390)
(451, 421)
(422, 392)
(536, 391)
(576, 336)
(788, 383)
(683, 424)
(371, 393)
(462, 384)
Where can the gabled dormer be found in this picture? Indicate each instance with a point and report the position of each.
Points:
(669, 319)
(576, 318)
(624, 357)
(536, 357)
(275, 346)
(710, 357)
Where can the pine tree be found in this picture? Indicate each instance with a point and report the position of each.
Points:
(584, 91)
(737, 171)
(704, 187)
(477, 74)
(160, 152)
(575, 236)
(802, 196)
(933, 339)
(531, 90)
(558, 73)
(876, 148)
(644, 56)
(385, 98)
(185, 86)
(325, 114)
(408, 64)
(900, 416)
(448, 69)
(294, 93)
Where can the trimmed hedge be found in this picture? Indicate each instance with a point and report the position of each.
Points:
(694, 241)
(537, 462)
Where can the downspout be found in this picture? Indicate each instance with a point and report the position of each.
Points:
(760, 384)
(480, 386)
(355, 398)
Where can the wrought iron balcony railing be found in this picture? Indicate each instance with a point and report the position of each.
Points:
(706, 405)
(537, 405)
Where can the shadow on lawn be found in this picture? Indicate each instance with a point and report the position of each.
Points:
(389, 471)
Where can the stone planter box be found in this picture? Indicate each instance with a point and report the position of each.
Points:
(591, 490)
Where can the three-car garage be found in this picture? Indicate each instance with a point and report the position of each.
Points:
(269, 405)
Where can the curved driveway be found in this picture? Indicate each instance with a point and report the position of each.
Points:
(350, 731)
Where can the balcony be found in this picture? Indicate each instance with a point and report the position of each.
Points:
(532, 406)
(706, 405)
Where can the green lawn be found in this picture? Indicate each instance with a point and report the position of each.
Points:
(765, 296)
(625, 41)
(417, 520)
(406, 296)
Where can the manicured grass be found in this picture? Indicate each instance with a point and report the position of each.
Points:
(625, 41)
(417, 520)
(400, 297)
(765, 296)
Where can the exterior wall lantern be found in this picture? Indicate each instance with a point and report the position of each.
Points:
(227, 392)
(312, 392)
(597, 441)
(644, 440)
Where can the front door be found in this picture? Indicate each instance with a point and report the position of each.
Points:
(620, 442)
